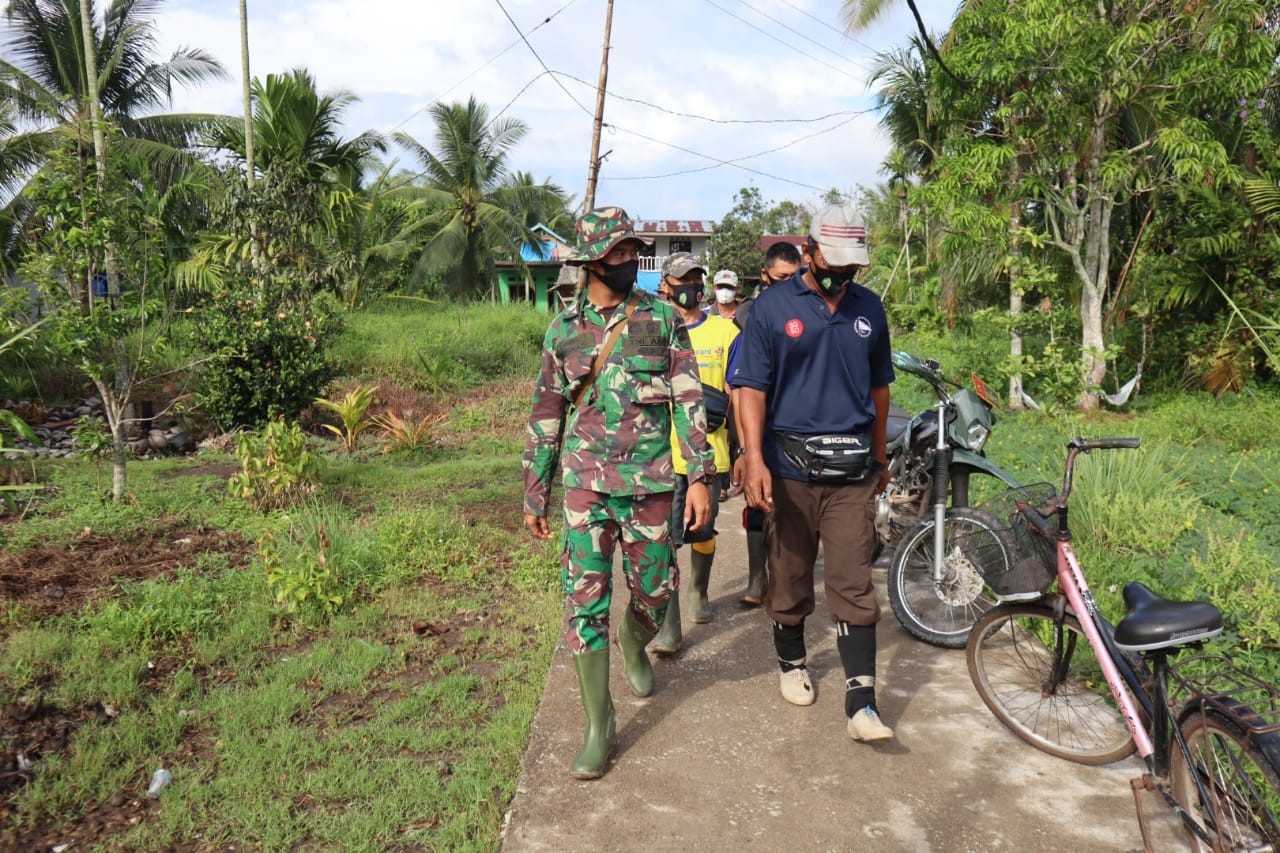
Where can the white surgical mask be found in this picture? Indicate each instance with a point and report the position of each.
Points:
(725, 295)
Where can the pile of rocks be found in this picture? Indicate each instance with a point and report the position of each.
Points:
(54, 426)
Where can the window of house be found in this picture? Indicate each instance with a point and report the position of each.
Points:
(681, 246)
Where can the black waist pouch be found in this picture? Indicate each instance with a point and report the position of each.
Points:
(830, 459)
(716, 403)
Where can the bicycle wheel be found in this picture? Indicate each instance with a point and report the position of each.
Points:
(941, 613)
(1237, 803)
(1042, 680)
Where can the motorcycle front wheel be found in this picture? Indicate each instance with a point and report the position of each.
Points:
(942, 611)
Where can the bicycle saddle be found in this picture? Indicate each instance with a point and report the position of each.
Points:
(1153, 622)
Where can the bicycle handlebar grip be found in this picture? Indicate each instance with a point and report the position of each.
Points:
(1085, 444)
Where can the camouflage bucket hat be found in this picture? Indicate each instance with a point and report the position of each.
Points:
(599, 231)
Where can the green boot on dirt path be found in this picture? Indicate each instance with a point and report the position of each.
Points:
(699, 579)
(601, 731)
(669, 638)
(754, 596)
(632, 638)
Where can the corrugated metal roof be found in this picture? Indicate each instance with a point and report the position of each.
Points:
(674, 226)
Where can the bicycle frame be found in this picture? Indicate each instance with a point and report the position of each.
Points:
(1124, 687)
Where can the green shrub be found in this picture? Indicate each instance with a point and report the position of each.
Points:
(1243, 582)
(270, 355)
(276, 467)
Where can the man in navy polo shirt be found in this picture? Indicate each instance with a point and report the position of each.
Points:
(813, 385)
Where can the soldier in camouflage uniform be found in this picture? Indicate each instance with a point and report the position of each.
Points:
(615, 461)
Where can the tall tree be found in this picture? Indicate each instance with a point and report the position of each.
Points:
(46, 77)
(476, 210)
(1109, 108)
(45, 83)
(294, 123)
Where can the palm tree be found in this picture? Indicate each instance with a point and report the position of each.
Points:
(47, 97)
(46, 83)
(294, 123)
(477, 211)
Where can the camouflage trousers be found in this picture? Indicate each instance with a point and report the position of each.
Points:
(593, 524)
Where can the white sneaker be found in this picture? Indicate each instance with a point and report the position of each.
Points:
(796, 687)
(865, 725)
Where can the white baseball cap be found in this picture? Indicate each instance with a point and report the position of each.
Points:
(842, 234)
(728, 278)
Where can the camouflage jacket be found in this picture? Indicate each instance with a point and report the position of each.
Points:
(619, 441)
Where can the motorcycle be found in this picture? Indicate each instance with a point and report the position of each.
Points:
(936, 586)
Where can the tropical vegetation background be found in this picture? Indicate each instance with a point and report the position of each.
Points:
(327, 623)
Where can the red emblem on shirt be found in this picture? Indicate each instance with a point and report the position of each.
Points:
(794, 328)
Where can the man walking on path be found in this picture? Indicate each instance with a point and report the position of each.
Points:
(683, 279)
(813, 382)
(617, 373)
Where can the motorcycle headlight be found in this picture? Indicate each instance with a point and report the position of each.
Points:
(977, 435)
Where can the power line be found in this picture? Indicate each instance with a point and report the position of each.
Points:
(487, 63)
(775, 38)
(735, 163)
(615, 96)
(834, 29)
(789, 28)
(736, 160)
(563, 88)
(523, 89)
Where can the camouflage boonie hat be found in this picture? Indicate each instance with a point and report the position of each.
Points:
(680, 264)
(599, 231)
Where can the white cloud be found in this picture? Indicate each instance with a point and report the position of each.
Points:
(689, 57)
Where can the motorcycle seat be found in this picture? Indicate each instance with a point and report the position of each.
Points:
(898, 420)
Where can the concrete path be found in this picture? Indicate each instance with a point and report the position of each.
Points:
(716, 760)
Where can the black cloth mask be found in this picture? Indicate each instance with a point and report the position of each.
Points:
(830, 281)
(686, 295)
(619, 278)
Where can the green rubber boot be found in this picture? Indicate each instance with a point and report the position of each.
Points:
(600, 734)
(754, 596)
(632, 638)
(669, 638)
(699, 579)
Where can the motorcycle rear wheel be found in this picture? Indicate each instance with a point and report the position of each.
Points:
(942, 613)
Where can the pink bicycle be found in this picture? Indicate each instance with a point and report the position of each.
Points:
(1208, 731)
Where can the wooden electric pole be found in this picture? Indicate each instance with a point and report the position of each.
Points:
(244, 91)
(593, 167)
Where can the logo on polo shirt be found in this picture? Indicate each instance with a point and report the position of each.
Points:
(795, 328)
(863, 327)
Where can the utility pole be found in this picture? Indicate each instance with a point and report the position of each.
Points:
(244, 82)
(593, 167)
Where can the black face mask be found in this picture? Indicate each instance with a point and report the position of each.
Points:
(686, 295)
(830, 281)
(619, 278)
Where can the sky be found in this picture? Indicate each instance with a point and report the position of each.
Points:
(786, 61)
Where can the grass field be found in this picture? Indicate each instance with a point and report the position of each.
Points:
(144, 634)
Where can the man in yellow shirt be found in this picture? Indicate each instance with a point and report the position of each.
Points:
(683, 284)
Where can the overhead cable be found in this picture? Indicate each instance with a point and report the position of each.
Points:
(486, 64)
(563, 88)
(789, 28)
(616, 97)
(780, 41)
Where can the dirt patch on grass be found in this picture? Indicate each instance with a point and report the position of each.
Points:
(212, 469)
(34, 732)
(62, 579)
